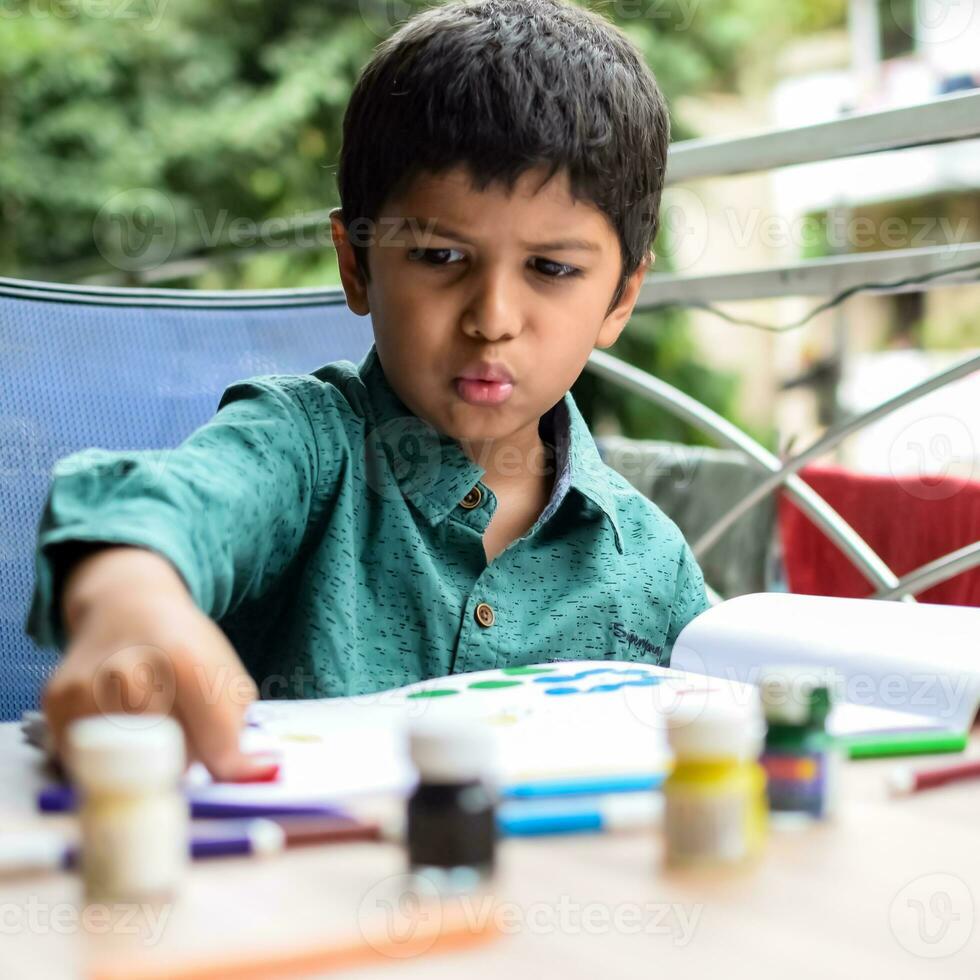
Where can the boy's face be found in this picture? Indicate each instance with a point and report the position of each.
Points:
(484, 310)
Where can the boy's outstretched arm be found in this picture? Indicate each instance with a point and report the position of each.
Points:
(138, 643)
(140, 554)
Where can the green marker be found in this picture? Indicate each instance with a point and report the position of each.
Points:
(878, 745)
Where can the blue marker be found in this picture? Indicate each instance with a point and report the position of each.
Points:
(61, 798)
(582, 815)
(582, 786)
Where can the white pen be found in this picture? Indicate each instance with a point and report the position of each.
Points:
(32, 850)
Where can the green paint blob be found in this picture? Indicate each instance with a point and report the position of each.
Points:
(492, 685)
(526, 670)
(434, 693)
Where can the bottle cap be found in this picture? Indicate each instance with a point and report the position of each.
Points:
(126, 752)
(796, 694)
(451, 751)
(717, 729)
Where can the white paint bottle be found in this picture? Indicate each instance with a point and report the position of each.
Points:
(134, 817)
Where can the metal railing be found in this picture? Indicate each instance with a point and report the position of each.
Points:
(943, 120)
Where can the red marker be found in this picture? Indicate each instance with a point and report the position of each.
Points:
(904, 781)
(209, 839)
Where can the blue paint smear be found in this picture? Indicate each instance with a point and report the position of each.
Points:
(647, 681)
(567, 678)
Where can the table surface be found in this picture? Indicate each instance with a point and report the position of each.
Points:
(889, 888)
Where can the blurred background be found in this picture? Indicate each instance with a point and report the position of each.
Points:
(182, 144)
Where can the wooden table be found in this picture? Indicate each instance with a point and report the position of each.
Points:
(890, 889)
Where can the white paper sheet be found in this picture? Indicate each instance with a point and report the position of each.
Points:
(907, 657)
(606, 720)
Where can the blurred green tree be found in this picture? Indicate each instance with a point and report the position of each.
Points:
(194, 145)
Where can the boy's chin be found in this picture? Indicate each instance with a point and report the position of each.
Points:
(485, 425)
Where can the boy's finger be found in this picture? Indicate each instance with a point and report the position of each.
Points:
(213, 715)
(240, 767)
(62, 703)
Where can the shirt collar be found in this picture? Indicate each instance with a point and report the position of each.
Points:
(435, 474)
(579, 466)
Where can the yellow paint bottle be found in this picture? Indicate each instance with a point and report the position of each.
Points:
(715, 797)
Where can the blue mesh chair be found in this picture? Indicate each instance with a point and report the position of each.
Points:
(126, 369)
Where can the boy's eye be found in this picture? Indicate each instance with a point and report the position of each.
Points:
(432, 256)
(439, 256)
(563, 271)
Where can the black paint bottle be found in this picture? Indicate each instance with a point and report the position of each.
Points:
(451, 826)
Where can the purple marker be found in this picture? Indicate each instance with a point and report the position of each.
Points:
(61, 798)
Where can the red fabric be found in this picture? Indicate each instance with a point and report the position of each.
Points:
(908, 521)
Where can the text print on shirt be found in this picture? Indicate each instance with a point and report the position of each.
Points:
(635, 640)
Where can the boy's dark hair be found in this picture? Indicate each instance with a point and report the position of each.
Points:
(501, 86)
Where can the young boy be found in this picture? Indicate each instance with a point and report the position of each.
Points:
(440, 507)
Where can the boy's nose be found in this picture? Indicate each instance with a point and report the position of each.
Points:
(493, 312)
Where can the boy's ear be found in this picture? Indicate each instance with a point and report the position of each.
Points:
(355, 288)
(617, 318)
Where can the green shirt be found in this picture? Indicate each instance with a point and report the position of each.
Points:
(337, 539)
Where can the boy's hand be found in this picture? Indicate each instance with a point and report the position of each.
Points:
(138, 643)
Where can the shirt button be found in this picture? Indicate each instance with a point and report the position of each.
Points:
(472, 499)
(484, 615)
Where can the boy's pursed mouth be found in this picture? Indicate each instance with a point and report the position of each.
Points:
(484, 384)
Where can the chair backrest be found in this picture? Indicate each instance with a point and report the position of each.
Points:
(126, 369)
(695, 486)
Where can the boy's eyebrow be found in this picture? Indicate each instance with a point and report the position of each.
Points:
(564, 244)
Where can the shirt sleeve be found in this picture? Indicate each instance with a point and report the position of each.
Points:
(229, 507)
(690, 598)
